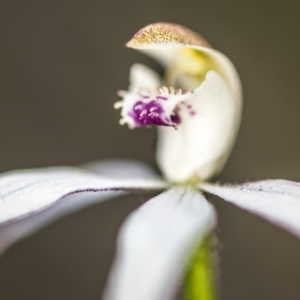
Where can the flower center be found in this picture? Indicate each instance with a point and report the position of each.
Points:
(158, 107)
(152, 113)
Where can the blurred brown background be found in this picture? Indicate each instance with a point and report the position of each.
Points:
(61, 65)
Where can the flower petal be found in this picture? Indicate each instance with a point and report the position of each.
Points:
(155, 245)
(278, 186)
(112, 169)
(202, 142)
(143, 77)
(277, 201)
(164, 41)
(28, 191)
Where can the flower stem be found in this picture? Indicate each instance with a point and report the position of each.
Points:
(200, 278)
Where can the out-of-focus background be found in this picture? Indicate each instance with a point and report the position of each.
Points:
(61, 65)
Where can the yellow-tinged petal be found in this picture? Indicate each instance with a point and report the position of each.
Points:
(193, 62)
(170, 43)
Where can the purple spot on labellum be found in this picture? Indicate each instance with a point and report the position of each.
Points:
(151, 113)
(175, 119)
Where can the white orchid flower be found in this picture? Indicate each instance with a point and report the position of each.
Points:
(197, 118)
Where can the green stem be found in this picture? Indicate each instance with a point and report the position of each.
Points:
(200, 278)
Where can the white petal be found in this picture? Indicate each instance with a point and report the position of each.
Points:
(278, 186)
(143, 77)
(155, 245)
(277, 201)
(28, 191)
(116, 170)
(203, 140)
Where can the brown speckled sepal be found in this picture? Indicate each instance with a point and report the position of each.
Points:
(166, 33)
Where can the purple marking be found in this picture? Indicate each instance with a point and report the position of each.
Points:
(175, 119)
(175, 116)
(151, 113)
